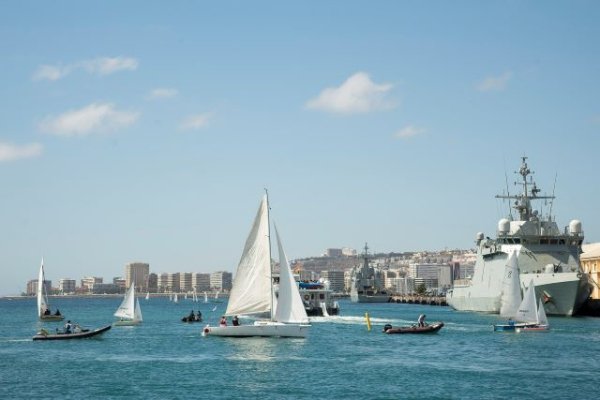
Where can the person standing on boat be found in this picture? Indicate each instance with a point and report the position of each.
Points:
(68, 327)
(421, 320)
(223, 321)
(235, 321)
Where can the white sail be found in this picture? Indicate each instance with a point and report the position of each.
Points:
(42, 300)
(175, 298)
(127, 308)
(138, 312)
(290, 308)
(511, 291)
(541, 314)
(527, 311)
(217, 295)
(251, 289)
(148, 296)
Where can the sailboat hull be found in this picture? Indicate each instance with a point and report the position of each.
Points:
(50, 318)
(260, 328)
(126, 323)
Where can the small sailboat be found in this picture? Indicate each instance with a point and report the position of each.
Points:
(147, 295)
(175, 298)
(216, 298)
(252, 293)
(529, 316)
(129, 312)
(44, 312)
(205, 297)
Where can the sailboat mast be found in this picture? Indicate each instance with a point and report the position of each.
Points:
(270, 262)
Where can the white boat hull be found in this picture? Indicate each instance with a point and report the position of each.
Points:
(563, 294)
(125, 322)
(259, 328)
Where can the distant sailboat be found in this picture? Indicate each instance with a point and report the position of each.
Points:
(205, 297)
(129, 312)
(252, 291)
(529, 315)
(148, 296)
(175, 298)
(44, 312)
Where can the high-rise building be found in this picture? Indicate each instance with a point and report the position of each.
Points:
(163, 283)
(201, 282)
(66, 285)
(88, 282)
(152, 283)
(336, 280)
(120, 283)
(220, 280)
(137, 272)
(173, 282)
(185, 282)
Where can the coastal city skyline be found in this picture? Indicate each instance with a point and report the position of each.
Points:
(150, 133)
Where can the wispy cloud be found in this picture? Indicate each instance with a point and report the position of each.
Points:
(97, 66)
(94, 118)
(12, 152)
(358, 94)
(196, 121)
(50, 72)
(495, 83)
(408, 132)
(162, 93)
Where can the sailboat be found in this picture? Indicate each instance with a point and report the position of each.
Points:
(529, 315)
(42, 300)
(216, 299)
(175, 298)
(252, 290)
(147, 295)
(129, 312)
(205, 297)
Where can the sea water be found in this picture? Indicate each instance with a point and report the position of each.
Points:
(164, 358)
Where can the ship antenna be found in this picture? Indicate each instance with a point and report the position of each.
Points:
(552, 198)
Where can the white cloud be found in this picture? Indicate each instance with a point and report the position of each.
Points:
(97, 66)
(408, 132)
(495, 83)
(50, 73)
(196, 121)
(358, 94)
(97, 117)
(11, 152)
(163, 93)
(107, 65)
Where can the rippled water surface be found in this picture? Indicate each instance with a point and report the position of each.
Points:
(167, 359)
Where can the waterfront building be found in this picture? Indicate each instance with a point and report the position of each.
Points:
(173, 282)
(121, 284)
(32, 287)
(185, 282)
(434, 276)
(221, 280)
(66, 285)
(152, 283)
(404, 286)
(201, 281)
(104, 288)
(590, 264)
(348, 252)
(336, 280)
(163, 283)
(333, 253)
(88, 282)
(137, 272)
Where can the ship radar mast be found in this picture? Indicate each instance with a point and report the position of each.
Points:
(530, 192)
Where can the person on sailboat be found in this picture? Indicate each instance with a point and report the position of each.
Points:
(57, 313)
(235, 321)
(223, 321)
(47, 311)
(198, 316)
(421, 320)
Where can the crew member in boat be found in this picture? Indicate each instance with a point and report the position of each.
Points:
(47, 311)
(191, 317)
(421, 320)
(223, 321)
(68, 327)
(57, 313)
(235, 321)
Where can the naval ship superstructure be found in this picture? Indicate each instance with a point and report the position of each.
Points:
(545, 254)
(367, 283)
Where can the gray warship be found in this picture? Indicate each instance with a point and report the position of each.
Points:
(367, 283)
(545, 254)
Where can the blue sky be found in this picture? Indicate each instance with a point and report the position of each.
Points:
(147, 131)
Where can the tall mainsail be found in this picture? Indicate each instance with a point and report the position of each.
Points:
(251, 288)
(511, 290)
(42, 300)
(127, 308)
